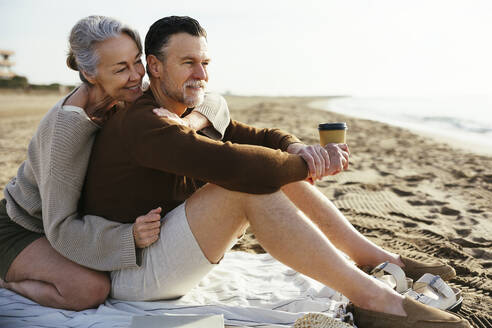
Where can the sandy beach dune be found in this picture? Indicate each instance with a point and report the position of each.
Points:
(404, 191)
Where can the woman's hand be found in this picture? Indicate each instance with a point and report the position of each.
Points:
(147, 228)
(194, 120)
(96, 106)
(162, 112)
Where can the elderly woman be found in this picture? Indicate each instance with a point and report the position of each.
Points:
(48, 251)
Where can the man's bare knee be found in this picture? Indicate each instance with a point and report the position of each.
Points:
(212, 193)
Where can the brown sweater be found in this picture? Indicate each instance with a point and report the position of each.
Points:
(141, 161)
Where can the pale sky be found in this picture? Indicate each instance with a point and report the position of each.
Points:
(282, 47)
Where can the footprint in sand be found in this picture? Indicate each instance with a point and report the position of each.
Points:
(427, 202)
(419, 177)
(449, 211)
(484, 247)
(480, 240)
(408, 224)
(487, 265)
(461, 174)
(487, 178)
(338, 193)
(402, 192)
(416, 202)
(414, 178)
(463, 232)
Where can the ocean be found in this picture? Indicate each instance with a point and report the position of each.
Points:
(464, 118)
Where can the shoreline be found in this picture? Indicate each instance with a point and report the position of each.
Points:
(478, 148)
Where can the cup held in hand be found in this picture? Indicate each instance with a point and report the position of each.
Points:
(332, 133)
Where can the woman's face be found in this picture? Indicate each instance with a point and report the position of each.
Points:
(120, 69)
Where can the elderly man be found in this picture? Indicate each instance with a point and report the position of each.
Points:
(210, 191)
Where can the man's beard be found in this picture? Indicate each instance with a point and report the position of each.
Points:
(183, 95)
(197, 97)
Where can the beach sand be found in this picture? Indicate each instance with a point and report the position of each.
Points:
(406, 192)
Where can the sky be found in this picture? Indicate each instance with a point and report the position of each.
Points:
(283, 47)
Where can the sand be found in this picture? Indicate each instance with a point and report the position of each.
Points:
(406, 192)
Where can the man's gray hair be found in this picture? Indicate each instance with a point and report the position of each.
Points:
(86, 34)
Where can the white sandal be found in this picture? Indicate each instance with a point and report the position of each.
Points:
(433, 291)
(396, 278)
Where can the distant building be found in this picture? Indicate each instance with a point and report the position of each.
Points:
(6, 64)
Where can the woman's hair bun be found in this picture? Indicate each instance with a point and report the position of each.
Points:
(71, 62)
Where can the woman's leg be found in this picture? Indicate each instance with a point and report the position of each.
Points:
(216, 215)
(46, 277)
(335, 226)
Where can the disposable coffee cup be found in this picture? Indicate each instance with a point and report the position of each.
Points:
(332, 133)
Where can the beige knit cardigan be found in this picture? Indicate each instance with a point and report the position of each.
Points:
(44, 195)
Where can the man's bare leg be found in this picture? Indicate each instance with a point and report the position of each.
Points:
(217, 215)
(335, 226)
(43, 275)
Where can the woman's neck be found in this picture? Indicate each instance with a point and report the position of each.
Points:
(92, 99)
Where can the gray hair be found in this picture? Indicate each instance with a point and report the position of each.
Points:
(84, 37)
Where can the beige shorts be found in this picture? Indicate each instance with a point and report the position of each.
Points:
(171, 267)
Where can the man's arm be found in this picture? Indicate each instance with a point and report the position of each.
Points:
(241, 133)
(241, 167)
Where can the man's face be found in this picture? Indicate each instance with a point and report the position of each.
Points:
(185, 69)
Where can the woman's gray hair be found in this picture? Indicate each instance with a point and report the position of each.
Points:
(84, 37)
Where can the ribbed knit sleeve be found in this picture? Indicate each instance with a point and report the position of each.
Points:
(44, 195)
(91, 241)
(88, 240)
(215, 109)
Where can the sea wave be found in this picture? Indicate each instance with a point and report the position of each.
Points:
(469, 126)
(462, 117)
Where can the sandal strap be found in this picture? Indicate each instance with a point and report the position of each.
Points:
(421, 297)
(394, 270)
(436, 283)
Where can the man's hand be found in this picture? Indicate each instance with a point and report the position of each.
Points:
(339, 157)
(147, 228)
(316, 157)
(322, 161)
